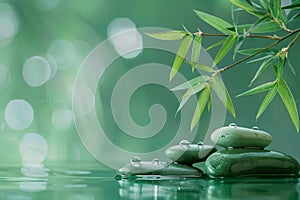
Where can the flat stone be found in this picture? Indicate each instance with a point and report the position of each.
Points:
(189, 154)
(250, 162)
(156, 167)
(233, 136)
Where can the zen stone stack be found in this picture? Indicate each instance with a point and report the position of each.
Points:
(245, 155)
(137, 167)
(188, 154)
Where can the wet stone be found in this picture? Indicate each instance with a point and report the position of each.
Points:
(189, 154)
(156, 167)
(250, 162)
(240, 137)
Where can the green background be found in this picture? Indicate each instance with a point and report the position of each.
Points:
(82, 25)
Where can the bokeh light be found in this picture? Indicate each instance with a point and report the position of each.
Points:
(18, 114)
(36, 71)
(64, 53)
(46, 4)
(9, 23)
(127, 41)
(5, 77)
(33, 149)
(62, 118)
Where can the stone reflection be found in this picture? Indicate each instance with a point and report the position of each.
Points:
(211, 189)
(258, 189)
(160, 189)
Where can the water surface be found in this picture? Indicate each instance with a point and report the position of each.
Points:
(60, 184)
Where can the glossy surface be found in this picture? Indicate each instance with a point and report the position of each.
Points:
(189, 154)
(159, 168)
(62, 184)
(251, 162)
(234, 136)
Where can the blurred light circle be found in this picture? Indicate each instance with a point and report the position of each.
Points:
(86, 100)
(36, 71)
(33, 148)
(33, 186)
(47, 4)
(124, 36)
(62, 118)
(18, 114)
(37, 170)
(64, 53)
(53, 65)
(9, 22)
(5, 77)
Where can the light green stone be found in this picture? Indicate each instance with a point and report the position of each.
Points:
(159, 168)
(189, 154)
(233, 136)
(250, 162)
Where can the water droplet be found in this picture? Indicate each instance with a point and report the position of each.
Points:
(135, 161)
(255, 128)
(164, 164)
(233, 125)
(184, 143)
(155, 161)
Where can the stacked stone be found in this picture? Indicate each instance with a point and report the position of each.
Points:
(188, 154)
(245, 155)
(183, 156)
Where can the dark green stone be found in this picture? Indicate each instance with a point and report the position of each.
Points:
(159, 168)
(250, 162)
(234, 136)
(190, 153)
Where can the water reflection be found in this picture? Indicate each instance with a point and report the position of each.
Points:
(94, 185)
(212, 189)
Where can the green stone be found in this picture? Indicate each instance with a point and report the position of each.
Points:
(233, 136)
(156, 167)
(188, 154)
(250, 162)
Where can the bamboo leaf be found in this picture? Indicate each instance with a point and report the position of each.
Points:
(289, 102)
(169, 35)
(191, 83)
(267, 100)
(201, 67)
(275, 7)
(294, 17)
(257, 24)
(237, 47)
(195, 89)
(181, 53)
(248, 52)
(223, 51)
(262, 68)
(216, 44)
(292, 69)
(294, 5)
(265, 5)
(265, 27)
(248, 8)
(280, 67)
(182, 103)
(196, 49)
(259, 59)
(249, 2)
(216, 22)
(223, 94)
(258, 89)
(203, 99)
